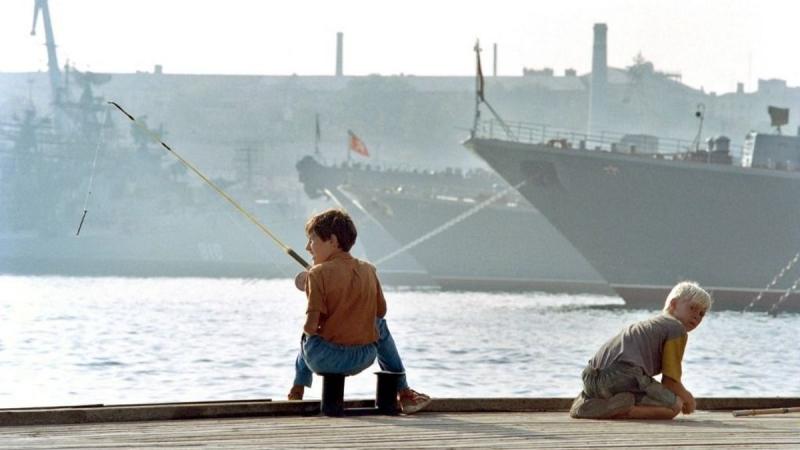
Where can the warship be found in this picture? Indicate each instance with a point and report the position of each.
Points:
(648, 218)
(81, 194)
(647, 211)
(467, 228)
(144, 216)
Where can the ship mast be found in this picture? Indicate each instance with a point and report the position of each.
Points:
(480, 98)
(52, 58)
(478, 88)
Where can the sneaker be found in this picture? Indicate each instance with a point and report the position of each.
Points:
(601, 408)
(412, 401)
(296, 393)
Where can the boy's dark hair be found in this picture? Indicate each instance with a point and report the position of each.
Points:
(333, 221)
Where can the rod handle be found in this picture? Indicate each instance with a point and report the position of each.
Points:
(298, 258)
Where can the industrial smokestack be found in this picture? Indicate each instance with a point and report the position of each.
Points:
(494, 72)
(339, 39)
(599, 86)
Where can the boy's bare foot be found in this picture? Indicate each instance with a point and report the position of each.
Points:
(296, 393)
(412, 401)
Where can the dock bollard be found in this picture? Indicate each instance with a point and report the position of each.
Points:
(332, 403)
(386, 392)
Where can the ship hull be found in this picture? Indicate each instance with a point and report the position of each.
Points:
(216, 244)
(115, 257)
(646, 223)
(498, 248)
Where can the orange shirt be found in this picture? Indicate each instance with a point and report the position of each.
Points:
(347, 294)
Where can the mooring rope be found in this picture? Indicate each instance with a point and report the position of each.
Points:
(447, 225)
(774, 281)
(773, 310)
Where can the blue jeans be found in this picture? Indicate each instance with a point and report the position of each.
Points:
(320, 356)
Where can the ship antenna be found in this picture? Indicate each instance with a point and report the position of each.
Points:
(700, 114)
(219, 191)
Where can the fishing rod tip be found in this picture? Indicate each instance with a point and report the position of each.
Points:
(121, 110)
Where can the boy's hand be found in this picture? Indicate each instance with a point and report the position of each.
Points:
(678, 405)
(312, 323)
(689, 404)
(300, 280)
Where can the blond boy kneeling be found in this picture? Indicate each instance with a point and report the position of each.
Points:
(618, 381)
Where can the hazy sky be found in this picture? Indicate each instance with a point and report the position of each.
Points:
(712, 43)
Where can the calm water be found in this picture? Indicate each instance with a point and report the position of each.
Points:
(112, 340)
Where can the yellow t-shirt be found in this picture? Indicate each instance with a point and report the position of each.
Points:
(348, 296)
(672, 356)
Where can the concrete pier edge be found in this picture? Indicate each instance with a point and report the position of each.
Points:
(255, 408)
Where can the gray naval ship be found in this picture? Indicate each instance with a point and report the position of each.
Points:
(468, 229)
(82, 194)
(647, 216)
(145, 215)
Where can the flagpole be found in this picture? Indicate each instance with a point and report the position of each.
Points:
(478, 87)
(481, 98)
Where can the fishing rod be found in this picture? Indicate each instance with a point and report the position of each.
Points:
(759, 412)
(227, 197)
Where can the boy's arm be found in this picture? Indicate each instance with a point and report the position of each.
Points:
(316, 303)
(678, 389)
(671, 371)
(312, 323)
(381, 311)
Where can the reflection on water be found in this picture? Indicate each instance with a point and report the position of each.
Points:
(112, 340)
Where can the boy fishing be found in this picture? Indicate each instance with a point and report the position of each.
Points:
(345, 329)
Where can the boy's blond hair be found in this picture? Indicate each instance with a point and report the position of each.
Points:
(689, 291)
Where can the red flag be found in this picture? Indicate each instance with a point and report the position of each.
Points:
(357, 145)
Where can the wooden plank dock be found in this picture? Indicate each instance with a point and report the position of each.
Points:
(516, 423)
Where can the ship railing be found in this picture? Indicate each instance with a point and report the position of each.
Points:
(610, 141)
(453, 193)
(402, 173)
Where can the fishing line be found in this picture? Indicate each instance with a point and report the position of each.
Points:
(227, 197)
(100, 140)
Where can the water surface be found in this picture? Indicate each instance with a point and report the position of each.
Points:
(117, 340)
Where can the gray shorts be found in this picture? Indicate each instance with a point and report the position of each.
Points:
(624, 377)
